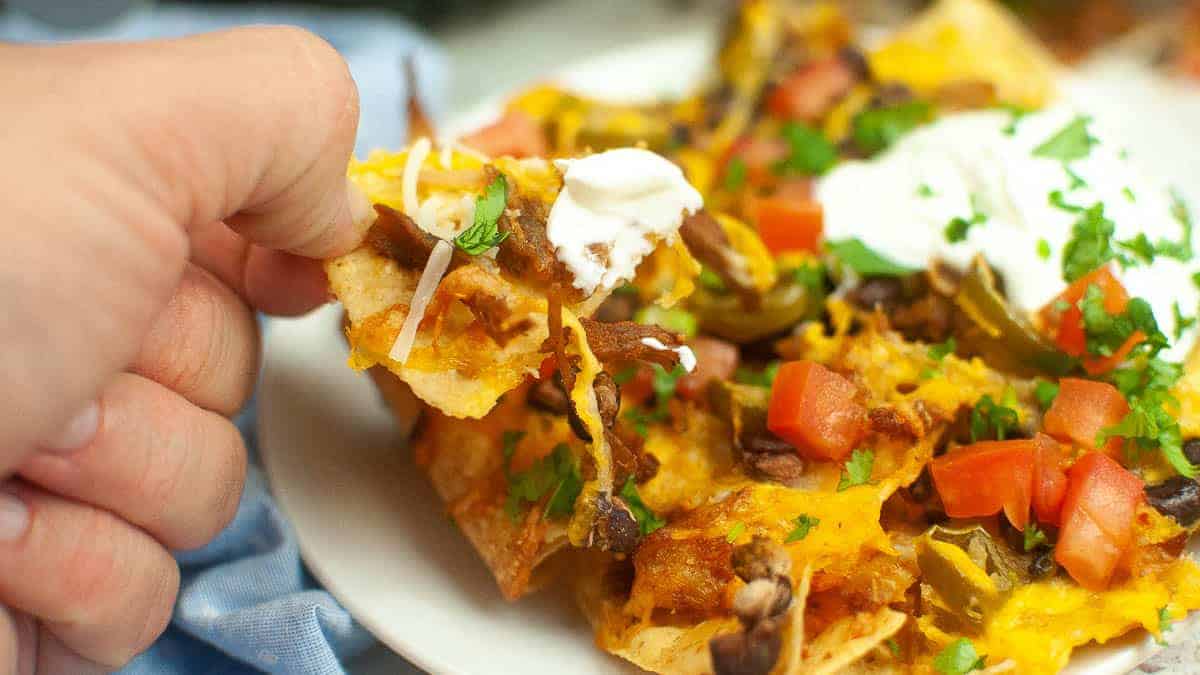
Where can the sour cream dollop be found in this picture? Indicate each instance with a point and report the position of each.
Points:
(615, 206)
(983, 163)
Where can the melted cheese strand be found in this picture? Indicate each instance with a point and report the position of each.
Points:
(412, 171)
(439, 261)
(584, 398)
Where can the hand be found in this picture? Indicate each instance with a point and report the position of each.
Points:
(156, 193)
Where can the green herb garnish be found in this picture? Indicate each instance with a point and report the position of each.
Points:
(735, 532)
(1090, 245)
(866, 261)
(804, 524)
(956, 229)
(990, 419)
(923, 190)
(1034, 537)
(1072, 142)
(857, 470)
(711, 280)
(875, 130)
(1182, 322)
(1165, 624)
(646, 519)
(556, 474)
(1106, 333)
(1043, 249)
(811, 153)
(958, 658)
(1128, 194)
(1045, 392)
(483, 234)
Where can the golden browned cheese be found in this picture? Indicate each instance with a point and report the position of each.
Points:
(687, 576)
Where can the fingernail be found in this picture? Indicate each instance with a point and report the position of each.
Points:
(362, 213)
(14, 517)
(77, 432)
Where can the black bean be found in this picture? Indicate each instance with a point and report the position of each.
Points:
(1042, 566)
(1177, 497)
(885, 292)
(1191, 450)
(753, 652)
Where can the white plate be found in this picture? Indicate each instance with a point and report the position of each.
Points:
(372, 529)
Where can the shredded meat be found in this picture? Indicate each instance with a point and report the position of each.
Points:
(622, 341)
(706, 240)
(778, 468)
(494, 314)
(682, 575)
(527, 252)
(395, 235)
(761, 558)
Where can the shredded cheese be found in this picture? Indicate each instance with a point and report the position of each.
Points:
(412, 171)
(584, 398)
(439, 261)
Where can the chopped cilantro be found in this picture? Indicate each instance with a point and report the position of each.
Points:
(1072, 142)
(958, 658)
(735, 532)
(956, 229)
(764, 378)
(625, 289)
(675, 319)
(1179, 250)
(811, 153)
(1077, 181)
(1128, 194)
(864, 260)
(735, 174)
(1017, 112)
(1045, 392)
(1165, 624)
(857, 470)
(874, 130)
(1196, 279)
(1149, 424)
(1034, 537)
(990, 419)
(646, 519)
(923, 190)
(1106, 333)
(1090, 245)
(1043, 249)
(941, 350)
(483, 234)
(1057, 200)
(711, 280)
(663, 384)
(893, 647)
(804, 524)
(556, 474)
(1182, 322)
(1140, 248)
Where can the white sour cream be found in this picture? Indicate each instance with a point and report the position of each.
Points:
(687, 358)
(900, 203)
(614, 208)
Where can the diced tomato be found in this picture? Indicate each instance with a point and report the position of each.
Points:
(789, 225)
(816, 410)
(759, 155)
(1067, 324)
(1081, 409)
(516, 134)
(984, 478)
(715, 360)
(1097, 519)
(1049, 480)
(809, 93)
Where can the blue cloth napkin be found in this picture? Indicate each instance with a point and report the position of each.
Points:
(246, 602)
